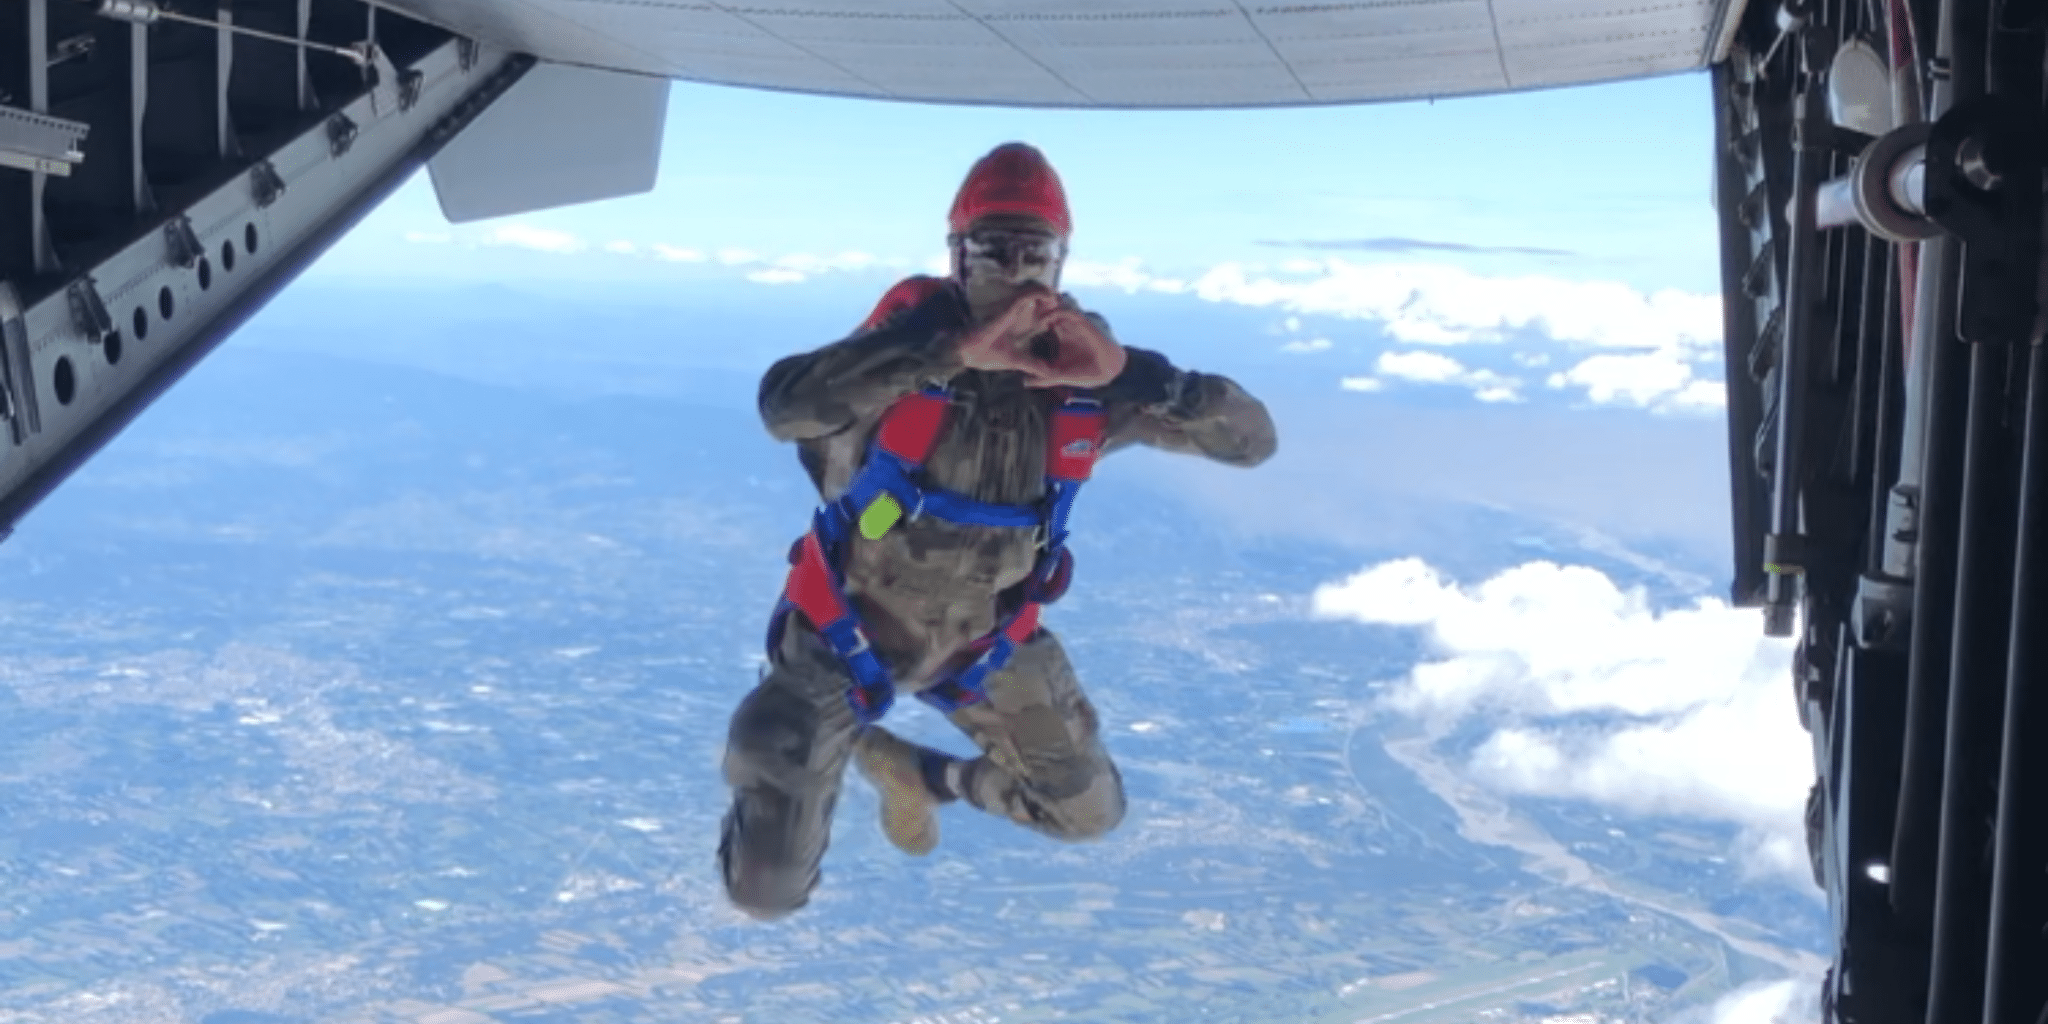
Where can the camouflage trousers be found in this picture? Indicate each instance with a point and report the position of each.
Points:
(1042, 764)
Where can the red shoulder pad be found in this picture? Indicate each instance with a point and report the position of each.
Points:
(1073, 443)
(907, 294)
(809, 585)
(910, 427)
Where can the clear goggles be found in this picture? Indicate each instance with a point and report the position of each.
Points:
(1012, 248)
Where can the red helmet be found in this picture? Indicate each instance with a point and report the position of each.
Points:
(1012, 178)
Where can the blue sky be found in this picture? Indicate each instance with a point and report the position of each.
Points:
(1616, 176)
(1569, 246)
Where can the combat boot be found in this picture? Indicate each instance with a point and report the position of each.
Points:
(896, 769)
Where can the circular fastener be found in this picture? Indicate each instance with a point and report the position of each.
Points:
(1973, 158)
(1886, 164)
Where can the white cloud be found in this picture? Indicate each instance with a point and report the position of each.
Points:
(791, 268)
(1588, 693)
(1636, 379)
(1654, 339)
(1423, 367)
(1363, 384)
(677, 254)
(1659, 380)
(1129, 275)
(1788, 1001)
(1437, 368)
(1435, 304)
(1654, 342)
(809, 264)
(1700, 396)
(526, 236)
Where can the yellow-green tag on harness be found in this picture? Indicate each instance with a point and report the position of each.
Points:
(879, 516)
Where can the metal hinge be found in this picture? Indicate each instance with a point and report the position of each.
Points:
(264, 184)
(181, 243)
(1882, 615)
(88, 311)
(17, 384)
(1757, 280)
(409, 84)
(341, 134)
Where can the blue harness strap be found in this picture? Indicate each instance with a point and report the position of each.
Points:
(890, 488)
(891, 474)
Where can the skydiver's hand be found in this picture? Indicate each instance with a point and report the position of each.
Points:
(1001, 343)
(1082, 356)
(1051, 344)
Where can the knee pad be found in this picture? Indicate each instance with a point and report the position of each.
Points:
(1097, 812)
(775, 724)
(761, 888)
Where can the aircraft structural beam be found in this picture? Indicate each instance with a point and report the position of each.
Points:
(2015, 987)
(189, 242)
(1906, 349)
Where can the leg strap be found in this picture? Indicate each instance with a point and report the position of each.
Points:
(813, 589)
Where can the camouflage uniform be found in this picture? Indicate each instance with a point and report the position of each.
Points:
(928, 589)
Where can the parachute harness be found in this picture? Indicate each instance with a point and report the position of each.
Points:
(890, 487)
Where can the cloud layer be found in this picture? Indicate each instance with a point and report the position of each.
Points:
(1586, 692)
(1437, 368)
(1790, 1001)
(1441, 305)
(1651, 350)
(1412, 245)
(1621, 346)
(1657, 350)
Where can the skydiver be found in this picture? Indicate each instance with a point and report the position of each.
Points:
(947, 436)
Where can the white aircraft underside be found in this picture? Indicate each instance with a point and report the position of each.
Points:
(1110, 53)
